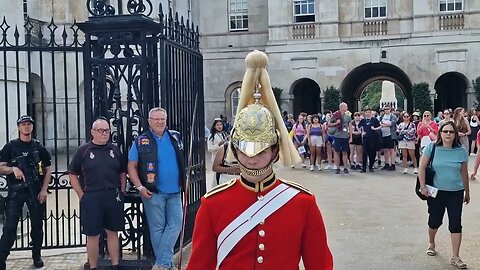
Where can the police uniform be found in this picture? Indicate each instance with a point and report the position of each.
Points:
(271, 224)
(31, 157)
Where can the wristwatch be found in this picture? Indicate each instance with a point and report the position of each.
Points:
(139, 188)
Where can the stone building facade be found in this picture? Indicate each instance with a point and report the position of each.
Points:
(313, 44)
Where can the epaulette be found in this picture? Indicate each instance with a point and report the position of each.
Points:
(296, 185)
(220, 188)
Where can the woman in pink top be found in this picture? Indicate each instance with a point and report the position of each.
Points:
(299, 138)
(427, 128)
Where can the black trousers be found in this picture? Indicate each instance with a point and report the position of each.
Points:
(452, 201)
(369, 150)
(13, 211)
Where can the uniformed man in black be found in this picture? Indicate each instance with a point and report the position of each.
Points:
(27, 165)
(98, 176)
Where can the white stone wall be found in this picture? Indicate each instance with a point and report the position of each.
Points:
(414, 43)
(16, 88)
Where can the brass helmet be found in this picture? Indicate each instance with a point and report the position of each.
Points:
(258, 123)
(254, 128)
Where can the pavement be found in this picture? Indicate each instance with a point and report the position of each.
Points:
(373, 221)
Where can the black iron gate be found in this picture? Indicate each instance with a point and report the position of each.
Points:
(130, 68)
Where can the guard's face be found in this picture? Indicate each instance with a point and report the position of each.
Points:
(101, 132)
(25, 128)
(158, 121)
(259, 161)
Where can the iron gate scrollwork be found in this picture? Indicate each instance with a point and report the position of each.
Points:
(134, 63)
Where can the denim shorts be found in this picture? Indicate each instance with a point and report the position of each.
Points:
(341, 145)
(101, 210)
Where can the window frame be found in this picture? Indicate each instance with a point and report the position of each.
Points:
(371, 7)
(303, 15)
(236, 16)
(454, 6)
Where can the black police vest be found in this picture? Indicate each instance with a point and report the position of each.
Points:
(27, 159)
(148, 158)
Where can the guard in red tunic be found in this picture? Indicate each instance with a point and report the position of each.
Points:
(259, 221)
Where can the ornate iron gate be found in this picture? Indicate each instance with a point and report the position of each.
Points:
(128, 70)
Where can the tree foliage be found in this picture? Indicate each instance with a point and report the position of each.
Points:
(476, 87)
(331, 99)
(373, 93)
(421, 97)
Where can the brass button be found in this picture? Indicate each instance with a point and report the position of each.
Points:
(261, 233)
(260, 197)
(261, 247)
(260, 259)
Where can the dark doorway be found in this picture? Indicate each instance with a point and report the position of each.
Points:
(306, 97)
(451, 90)
(360, 77)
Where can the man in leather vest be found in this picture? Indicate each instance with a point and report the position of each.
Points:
(27, 165)
(156, 168)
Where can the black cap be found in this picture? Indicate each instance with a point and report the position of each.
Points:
(25, 118)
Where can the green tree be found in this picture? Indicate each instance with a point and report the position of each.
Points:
(371, 95)
(277, 92)
(421, 97)
(331, 99)
(476, 87)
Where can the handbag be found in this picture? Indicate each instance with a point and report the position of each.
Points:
(429, 173)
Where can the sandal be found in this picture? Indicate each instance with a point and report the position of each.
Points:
(458, 263)
(431, 251)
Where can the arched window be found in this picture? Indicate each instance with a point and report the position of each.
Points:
(234, 100)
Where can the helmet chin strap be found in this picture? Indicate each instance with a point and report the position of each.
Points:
(254, 172)
(257, 172)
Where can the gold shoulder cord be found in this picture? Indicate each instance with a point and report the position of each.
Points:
(296, 185)
(220, 188)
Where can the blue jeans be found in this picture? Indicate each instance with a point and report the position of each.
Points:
(164, 216)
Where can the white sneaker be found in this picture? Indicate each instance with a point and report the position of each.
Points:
(304, 166)
(319, 167)
(405, 171)
(415, 171)
(293, 166)
(311, 167)
(328, 167)
(335, 167)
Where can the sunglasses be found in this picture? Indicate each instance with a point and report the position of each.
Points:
(448, 131)
(406, 116)
(426, 115)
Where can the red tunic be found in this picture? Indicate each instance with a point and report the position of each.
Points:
(294, 231)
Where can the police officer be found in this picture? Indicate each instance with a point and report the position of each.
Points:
(259, 221)
(27, 165)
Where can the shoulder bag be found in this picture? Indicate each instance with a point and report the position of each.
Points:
(429, 173)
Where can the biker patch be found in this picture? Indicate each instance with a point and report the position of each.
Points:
(150, 167)
(144, 141)
(150, 177)
(92, 156)
(112, 154)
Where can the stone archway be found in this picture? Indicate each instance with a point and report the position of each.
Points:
(306, 98)
(361, 76)
(451, 91)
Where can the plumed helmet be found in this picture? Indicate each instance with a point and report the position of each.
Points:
(258, 122)
(254, 128)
